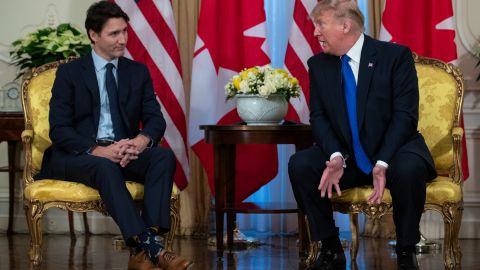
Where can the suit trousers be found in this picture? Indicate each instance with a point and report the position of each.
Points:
(154, 168)
(406, 178)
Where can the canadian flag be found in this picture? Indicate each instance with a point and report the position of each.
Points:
(231, 36)
(428, 30)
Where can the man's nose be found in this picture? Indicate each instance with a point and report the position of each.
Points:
(123, 38)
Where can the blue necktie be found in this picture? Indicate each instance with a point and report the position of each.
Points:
(350, 88)
(111, 85)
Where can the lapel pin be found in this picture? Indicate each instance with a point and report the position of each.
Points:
(370, 65)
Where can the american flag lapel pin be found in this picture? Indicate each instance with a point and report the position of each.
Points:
(370, 64)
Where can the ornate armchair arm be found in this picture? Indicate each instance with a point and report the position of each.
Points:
(27, 138)
(457, 134)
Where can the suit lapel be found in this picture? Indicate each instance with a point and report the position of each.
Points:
(365, 73)
(123, 79)
(90, 79)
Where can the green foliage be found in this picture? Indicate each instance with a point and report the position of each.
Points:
(47, 45)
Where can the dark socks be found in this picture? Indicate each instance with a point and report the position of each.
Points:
(147, 242)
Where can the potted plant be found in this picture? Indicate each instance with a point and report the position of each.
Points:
(262, 94)
(48, 44)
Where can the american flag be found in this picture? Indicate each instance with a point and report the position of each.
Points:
(152, 40)
(301, 46)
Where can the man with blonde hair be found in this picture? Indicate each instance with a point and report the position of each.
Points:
(364, 116)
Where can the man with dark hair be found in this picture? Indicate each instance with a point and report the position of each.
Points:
(105, 124)
(364, 105)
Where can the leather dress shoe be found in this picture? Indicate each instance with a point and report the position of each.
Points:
(328, 260)
(407, 261)
(170, 261)
(140, 261)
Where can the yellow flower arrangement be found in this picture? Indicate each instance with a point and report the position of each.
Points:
(263, 81)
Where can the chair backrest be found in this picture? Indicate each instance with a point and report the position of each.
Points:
(36, 94)
(441, 96)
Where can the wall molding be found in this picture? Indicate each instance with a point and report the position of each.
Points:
(464, 29)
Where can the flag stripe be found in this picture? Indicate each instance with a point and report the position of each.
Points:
(301, 17)
(301, 46)
(161, 87)
(152, 46)
(153, 41)
(173, 136)
(166, 11)
(162, 31)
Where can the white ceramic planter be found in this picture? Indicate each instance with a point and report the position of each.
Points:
(257, 110)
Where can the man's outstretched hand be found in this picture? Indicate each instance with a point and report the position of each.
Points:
(331, 177)
(379, 182)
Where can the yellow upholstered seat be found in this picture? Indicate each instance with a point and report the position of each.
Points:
(42, 194)
(441, 97)
(46, 190)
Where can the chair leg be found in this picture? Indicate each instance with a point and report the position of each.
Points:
(354, 228)
(71, 225)
(312, 247)
(451, 251)
(175, 221)
(85, 225)
(456, 245)
(34, 213)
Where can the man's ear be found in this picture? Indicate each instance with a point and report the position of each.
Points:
(93, 35)
(347, 26)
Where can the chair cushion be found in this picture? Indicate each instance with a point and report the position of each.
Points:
(48, 190)
(438, 100)
(440, 190)
(443, 189)
(360, 194)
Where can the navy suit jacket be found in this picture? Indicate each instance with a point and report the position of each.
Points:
(75, 110)
(387, 103)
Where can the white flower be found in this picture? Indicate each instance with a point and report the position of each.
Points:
(264, 81)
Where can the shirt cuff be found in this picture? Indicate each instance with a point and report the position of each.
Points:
(338, 154)
(382, 163)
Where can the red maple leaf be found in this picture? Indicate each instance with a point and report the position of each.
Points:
(222, 26)
(416, 24)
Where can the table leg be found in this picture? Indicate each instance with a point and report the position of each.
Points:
(230, 196)
(219, 196)
(12, 146)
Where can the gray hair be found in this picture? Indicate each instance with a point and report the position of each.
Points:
(342, 9)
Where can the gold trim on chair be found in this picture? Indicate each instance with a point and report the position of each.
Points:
(36, 205)
(444, 194)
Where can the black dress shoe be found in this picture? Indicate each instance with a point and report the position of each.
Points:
(328, 260)
(407, 261)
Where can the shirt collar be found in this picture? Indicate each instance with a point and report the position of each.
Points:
(99, 62)
(356, 51)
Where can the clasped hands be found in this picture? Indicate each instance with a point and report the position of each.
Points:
(123, 151)
(333, 172)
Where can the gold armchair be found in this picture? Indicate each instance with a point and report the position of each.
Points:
(40, 195)
(441, 96)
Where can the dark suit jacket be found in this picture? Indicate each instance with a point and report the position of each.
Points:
(75, 110)
(387, 103)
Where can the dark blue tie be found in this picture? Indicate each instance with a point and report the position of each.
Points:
(350, 88)
(111, 85)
